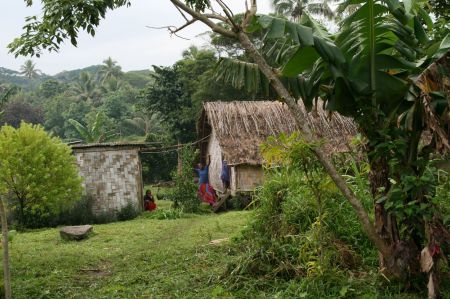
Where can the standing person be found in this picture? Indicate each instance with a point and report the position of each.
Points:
(205, 191)
(149, 201)
(225, 175)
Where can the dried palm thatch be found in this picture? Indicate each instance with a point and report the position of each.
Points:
(240, 127)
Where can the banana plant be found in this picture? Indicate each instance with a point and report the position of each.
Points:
(5, 95)
(367, 72)
(95, 132)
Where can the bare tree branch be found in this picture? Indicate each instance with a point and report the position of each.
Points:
(216, 16)
(173, 29)
(249, 13)
(228, 13)
(204, 19)
(181, 12)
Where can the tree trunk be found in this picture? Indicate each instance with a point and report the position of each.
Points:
(179, 159)
(300, 118)
(385, 224)
(6, 274)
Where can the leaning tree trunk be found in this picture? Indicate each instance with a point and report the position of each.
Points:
(6, 274)
(299, 118)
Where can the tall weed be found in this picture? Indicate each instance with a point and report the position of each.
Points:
(184, 194)
(303, 227)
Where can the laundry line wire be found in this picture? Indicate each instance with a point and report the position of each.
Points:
(175, 147)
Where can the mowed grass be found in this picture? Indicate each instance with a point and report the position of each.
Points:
(141, 258)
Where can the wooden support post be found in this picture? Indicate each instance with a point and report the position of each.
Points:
(180, 160)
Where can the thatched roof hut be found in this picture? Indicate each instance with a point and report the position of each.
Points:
(241, 127)
(235, 130)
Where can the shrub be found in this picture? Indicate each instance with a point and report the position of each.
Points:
(302, 226)
(184, 194)
(165, 214)
(78, 214)
(128, 212)
(81, 213)
(240, 201)
(38, 174)
(104, 217)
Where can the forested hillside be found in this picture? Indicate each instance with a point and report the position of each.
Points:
(101, 103)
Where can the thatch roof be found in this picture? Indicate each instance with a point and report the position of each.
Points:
(242, 126)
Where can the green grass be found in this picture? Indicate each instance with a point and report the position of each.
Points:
(150, 258)
(141, 258)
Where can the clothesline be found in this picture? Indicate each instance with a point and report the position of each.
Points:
(175, 147)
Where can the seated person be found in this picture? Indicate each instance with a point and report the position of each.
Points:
(149, 201)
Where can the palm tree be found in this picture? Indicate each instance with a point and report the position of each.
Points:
(113, 84)
(28, 69)
(109, 70)
(295, 8)
(148, 126)
(85, 89)
(191, 53)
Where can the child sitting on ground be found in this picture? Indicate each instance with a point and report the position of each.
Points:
(149, 201)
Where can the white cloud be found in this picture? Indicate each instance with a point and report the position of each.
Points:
(123, 36)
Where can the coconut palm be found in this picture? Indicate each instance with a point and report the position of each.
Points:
(28, 69)
(148, 126)
(109, 70)
(113, 84)
(191, 53)
(85, 89)
(294, 8)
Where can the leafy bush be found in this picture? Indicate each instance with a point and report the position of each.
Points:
(165, 214)
(80, 213)
(239, 201)
(303, 227)
(38, 174)
(184, 194)
(104, 217)
(128, 212)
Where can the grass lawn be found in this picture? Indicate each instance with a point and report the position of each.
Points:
(141, 258)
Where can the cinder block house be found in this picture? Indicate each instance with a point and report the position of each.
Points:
(234, 131)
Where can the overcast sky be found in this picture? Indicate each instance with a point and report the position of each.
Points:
(123, 35)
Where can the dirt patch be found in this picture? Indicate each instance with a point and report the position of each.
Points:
(218, 241)
(103, 269)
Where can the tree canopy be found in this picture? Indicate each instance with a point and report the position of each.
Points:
(39, 176)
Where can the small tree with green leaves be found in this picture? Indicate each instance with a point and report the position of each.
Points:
(39, 175)
(184, 195)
